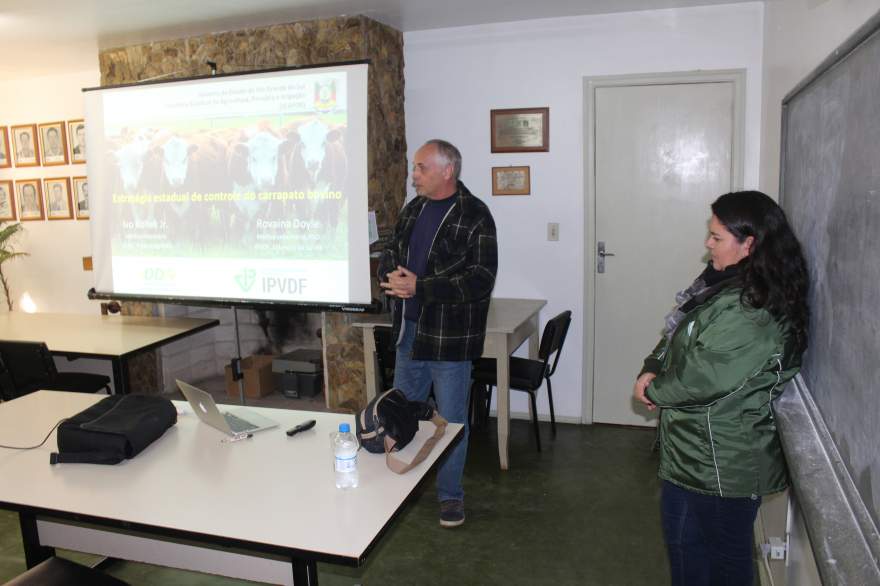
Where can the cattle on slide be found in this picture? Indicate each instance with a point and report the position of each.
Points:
(257, 165)
(130, 170)
(320, 163)
(193, 163)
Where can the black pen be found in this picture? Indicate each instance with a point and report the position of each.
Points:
(301, 427)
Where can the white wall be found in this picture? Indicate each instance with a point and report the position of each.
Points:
(455, 76)
(53, 273)
(798, 36)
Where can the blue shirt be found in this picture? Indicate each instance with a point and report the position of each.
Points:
(420, 241)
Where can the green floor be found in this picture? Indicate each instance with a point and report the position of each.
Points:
(584, 511)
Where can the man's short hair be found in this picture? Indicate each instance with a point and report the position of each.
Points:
(52, 129)
(447, 151)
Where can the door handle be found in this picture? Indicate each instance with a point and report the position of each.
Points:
(600, 252)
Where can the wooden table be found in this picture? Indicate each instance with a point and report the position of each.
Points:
(264, 508)
(114, 338)
(509, 324)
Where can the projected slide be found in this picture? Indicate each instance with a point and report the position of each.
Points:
(242, 187)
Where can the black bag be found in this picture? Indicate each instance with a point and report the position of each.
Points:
(113, 429)
(389, 422)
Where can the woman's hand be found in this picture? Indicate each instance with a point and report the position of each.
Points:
(639, 390)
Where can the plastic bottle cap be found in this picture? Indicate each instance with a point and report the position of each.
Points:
(344, 428)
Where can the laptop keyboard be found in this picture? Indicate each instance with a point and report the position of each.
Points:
(237, 424)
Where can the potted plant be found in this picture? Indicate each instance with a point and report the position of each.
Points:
(8, 233)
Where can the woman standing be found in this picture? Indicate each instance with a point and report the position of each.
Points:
(733, 341)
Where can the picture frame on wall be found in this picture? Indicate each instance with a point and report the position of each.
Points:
(81, 197)
(53, 143)
(5, 155)
(7, 202)
(511, 180)
(76, 134)
(25, 146)
(520, 130)
(58, 202)
(29, 194)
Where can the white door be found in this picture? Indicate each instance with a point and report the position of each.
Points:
(663, 152)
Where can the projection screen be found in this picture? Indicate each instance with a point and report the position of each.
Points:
(247, 188)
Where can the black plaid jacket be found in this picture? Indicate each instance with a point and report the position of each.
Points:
(458, 280)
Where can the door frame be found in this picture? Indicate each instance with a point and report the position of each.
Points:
(591, 84)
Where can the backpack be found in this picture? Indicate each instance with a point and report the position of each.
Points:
(389, 422)
(115, 428)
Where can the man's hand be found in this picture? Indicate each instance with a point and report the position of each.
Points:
(401, 283)
(639, 390)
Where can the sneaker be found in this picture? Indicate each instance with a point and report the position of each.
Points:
(451, 513)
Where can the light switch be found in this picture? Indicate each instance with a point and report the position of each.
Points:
(553, 231)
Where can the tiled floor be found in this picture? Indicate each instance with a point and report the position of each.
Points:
(584, 511)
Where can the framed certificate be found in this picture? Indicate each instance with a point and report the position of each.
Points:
(520, 130)
(511, 181)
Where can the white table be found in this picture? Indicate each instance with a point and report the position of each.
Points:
(252, 509)
(113, 338)
(509, 324)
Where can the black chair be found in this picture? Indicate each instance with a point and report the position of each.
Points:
(29, 367)
(386, 356)
(57, 571)
(525, 374)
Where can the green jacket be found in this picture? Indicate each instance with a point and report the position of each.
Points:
(716, 379)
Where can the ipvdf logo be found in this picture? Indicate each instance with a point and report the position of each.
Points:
(246, 279)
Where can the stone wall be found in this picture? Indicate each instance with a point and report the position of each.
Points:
(311, 42)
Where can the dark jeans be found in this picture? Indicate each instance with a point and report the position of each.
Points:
(709, 538)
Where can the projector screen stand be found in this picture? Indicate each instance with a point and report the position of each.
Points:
(236, 360)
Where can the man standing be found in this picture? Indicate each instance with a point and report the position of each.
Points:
(439, 268)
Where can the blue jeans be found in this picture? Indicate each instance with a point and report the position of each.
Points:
(709, 538)
(452, 385)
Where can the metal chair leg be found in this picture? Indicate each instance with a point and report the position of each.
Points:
(552, 413)
(535, 419)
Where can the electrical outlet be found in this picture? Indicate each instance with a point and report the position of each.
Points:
(553, 231)
(777, 548)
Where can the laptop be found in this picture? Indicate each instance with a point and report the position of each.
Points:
(239, 422)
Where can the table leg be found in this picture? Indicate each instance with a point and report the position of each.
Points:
(34, 553)
(305, 572)
(502, 374)
(120, 376)
(533, 337)
(370, 365)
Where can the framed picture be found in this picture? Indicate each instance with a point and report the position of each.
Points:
(7, 202)
(30, 200)
(24, 145)
(511, 181)
(76, 132)
(81, 197)
(53, 143)
(520, 130)
(58, 205)
(5, 157)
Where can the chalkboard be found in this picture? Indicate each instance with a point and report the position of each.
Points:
(830, 190)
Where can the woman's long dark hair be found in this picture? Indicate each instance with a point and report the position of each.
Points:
(774, 275)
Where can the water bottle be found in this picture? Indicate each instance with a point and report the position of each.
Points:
(345, 448)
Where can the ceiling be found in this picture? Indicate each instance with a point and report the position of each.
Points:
(46, 37)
